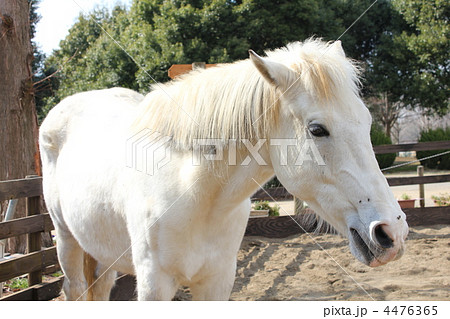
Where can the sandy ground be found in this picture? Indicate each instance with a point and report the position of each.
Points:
(297, 268)
(321, 267)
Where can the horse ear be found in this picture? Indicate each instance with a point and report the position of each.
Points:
(337, 47)
(275, 73)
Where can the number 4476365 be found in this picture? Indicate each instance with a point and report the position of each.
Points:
(411, 310)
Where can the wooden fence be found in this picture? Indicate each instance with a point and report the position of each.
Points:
(38, 259)
(280, 227)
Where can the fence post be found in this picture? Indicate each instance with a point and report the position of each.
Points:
(421, 187)
(34, 239)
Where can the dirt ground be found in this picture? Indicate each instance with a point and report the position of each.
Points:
(297, 268)
(321, 267)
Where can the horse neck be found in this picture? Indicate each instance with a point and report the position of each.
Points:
(226, 102)
(238, 182)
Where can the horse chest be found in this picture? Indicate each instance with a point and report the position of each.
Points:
(199, 245)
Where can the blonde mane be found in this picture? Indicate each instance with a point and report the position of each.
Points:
(233, 101)
(323, 70)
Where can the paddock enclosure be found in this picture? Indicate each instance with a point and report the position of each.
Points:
(277, 259)
(296, 268)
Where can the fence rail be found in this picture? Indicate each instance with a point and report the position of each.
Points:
(281, 193)
(38, 292)
(399, 181)
(29, 263)
(422, 146)
(21, 188)
(36, 260)
(26, 225)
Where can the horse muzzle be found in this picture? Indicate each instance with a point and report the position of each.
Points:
(378, 245)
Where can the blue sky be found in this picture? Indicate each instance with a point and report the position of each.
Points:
(57, 16)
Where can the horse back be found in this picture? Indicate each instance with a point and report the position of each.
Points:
(79, 108)
(80, 153)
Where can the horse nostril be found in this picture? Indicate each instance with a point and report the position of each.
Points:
(383, 239)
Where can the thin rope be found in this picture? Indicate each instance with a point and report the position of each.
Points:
(417, 160)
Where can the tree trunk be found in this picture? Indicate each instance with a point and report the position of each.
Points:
(19, 155)
(388, 128)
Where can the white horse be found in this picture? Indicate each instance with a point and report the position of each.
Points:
(159, 186)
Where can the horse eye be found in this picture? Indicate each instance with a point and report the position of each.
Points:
(318, 130)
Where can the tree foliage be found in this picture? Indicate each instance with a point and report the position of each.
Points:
(378, 137)
(439, 162)
(410, 65)
(134, 47)
(428, 42)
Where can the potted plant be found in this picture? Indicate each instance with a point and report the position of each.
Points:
(405, 201)
(441, 200)
(263, 209)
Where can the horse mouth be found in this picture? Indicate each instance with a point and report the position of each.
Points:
(370, 253)
(364, 253)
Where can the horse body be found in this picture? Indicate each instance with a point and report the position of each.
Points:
(182, 223)
(105, 217)
(82, 200)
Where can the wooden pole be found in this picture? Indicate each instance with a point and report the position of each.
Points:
(421, 187)
(34, 239)
(19, 153)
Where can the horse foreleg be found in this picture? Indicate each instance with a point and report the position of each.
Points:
(100, 279)
(105, 279)
(217, 286)
(89, 268)
(154, 283)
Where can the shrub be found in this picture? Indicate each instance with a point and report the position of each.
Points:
(273, 183)
(405, 196)
(442, 199)
(273, 211)
(378, 137)
(17, 283)
(439, 162)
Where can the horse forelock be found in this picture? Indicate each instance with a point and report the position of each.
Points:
(233, 101)
(322, 71)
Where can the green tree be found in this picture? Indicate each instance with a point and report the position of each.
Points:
(439, 162)
(410, 66)
(428, 40)
(159, 33)
(378, 137)
(37, 65)
(88, 58)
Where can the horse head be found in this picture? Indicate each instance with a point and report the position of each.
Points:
(332, 166)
